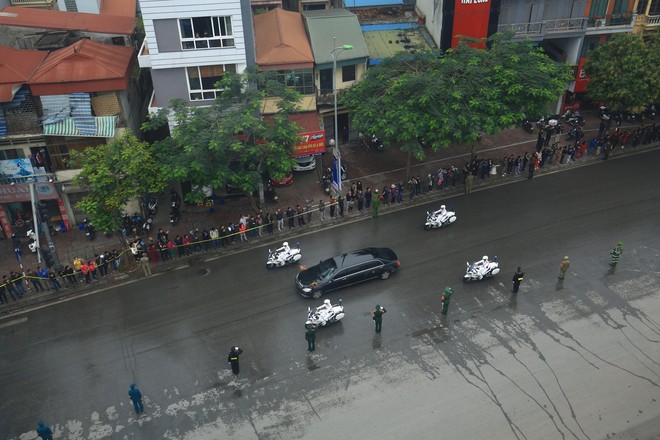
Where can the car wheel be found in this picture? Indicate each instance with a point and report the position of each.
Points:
(385, 275)
(317, 294)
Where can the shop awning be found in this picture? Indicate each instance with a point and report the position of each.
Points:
(99, 126)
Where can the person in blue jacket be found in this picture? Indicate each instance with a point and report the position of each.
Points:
(44, 431)
(136, 397)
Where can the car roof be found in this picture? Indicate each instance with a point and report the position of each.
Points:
(364, 255)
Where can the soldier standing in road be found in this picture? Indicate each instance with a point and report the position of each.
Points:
(44, 431)
(446, 298)
(517, 279)
(378, 317)
(563, 267)
(616, 253)
(375, 204)
(310, 336)
(136, 397)
(234, 353)
(469, 180)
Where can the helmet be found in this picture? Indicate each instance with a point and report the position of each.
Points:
(442, 207)
(285, 244)
(132, 385)
(40, 423)
(485, 258)
(326, 302)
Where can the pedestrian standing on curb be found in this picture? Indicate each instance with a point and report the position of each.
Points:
(136, 397)
(234, 353)
(54, 282)
(42, 273)
(377, 316)
(563, 267)
(310, 336)
(289, 216)
(280, 219)
(367, 198)
(446, 299)
(44, 431)
(34, 279)
(340, 205)
(469, 180)
(333, 206)
(517, 279)
(322, 210)
(301, 216)
(616, 252)
(308, 210)
(375, 204)
(146, 264)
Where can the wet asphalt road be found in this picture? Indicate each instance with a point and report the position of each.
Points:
(579, 361)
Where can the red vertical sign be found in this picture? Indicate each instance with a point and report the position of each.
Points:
(471, 20)
(5, 222)
(65, 216)
(581, 79)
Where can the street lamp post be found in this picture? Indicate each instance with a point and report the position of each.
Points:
(335, 152)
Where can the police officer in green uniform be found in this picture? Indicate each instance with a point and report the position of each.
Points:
(517, 279)
(446, 298)
(310, 335)
(615, 253)
(378, 317)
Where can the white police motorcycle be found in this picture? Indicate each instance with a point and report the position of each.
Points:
(439, 218)
(481, 269)
(325, 314)
(283, 256)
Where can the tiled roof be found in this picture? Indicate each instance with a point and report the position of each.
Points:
(85, 66)
(119, 8)
(62, 20)
(16, 67)
(281, 41)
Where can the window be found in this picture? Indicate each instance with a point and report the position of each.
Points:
(206, 32)
(300, 80)
(348, 73)
(202, 80)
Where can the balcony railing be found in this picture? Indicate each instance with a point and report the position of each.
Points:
(32, 3)
(546, 26)
(648, 20)
(611, 20)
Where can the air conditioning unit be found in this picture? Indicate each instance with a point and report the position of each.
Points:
(600, 22)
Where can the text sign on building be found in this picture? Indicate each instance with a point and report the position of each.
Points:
(471, 20)
(20, 192)
(312, 142)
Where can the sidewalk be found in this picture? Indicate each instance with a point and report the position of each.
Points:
(374, 169)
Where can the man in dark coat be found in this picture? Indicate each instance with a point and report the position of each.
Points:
(310, 336)
(136, 397)
(234, 353)
(517, 279)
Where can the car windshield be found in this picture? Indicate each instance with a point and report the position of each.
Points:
(321, 271)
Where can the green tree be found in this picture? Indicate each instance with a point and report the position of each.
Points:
(435, 99)
(113, 174)
(624, 73)
(229, 141)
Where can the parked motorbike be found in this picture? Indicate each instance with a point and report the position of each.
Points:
(481, 269)
(175, 215)
(573, 118)
(152, 204)
(325, 314)
(269, 192)
(575, 133)
(527, 125)
(146, 227)
(439, 218)
(32, 242)
(283, 256)
(90, 232)
(604, 113)
(327, 181)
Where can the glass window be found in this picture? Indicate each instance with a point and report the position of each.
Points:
(598, 8)
(202, 80)
(206, 32)
(348, 73)
(301, 80)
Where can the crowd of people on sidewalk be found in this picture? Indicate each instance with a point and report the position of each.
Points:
(358, 199)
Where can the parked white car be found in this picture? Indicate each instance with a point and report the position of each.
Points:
(305, 163)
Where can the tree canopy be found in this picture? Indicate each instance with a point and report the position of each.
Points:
(624, 73)
(437, 98)
(115, 173)
(230, 141)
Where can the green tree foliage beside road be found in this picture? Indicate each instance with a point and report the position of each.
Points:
(113, 174)
(230, 141)
(433, 98)
(624, 73)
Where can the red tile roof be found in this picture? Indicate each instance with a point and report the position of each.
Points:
(120, 8)
(281, 41)
(16, 67)
(62, 20)
(85, 66)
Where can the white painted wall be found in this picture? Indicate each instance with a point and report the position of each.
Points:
(432, 9)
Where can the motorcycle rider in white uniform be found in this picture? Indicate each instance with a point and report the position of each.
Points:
(441, 213)
(325, 310)
(483, 265)
(284, 249)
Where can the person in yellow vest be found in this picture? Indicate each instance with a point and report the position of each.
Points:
(517, 279)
